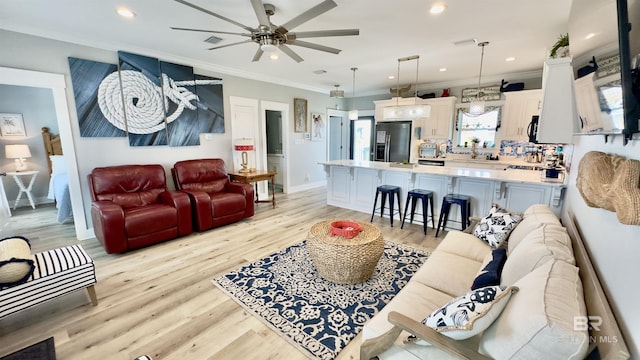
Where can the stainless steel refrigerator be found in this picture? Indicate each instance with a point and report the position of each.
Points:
(393, 141)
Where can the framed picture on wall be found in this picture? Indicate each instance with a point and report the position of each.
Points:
(317, 127)
(12, 125)
(300, 115)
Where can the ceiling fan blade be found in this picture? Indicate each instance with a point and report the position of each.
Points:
(319, 9)
(258, 54)
(227, 45)
(285, 49)
(210, 31)
(214, 14)
(323, 33)
(314, 46)
(258, 7)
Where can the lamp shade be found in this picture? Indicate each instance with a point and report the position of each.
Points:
(17, 151)
(244, 144)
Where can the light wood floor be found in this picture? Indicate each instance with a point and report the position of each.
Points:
(160, 300)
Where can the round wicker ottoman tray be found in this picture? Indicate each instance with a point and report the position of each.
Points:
(345, 260)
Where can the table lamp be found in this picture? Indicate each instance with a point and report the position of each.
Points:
(18, 152)
(244, 145)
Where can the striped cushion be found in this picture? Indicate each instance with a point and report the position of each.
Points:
(57, 272)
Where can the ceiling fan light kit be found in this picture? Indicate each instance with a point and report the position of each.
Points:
(270, 37)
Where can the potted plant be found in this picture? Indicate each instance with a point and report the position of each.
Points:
(561, 47)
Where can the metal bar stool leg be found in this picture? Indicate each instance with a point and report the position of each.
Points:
(375, 202)
(433, 225)
(391, 200)
(424, 213)
(406, 207)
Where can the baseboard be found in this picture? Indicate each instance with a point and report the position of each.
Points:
(304, 187)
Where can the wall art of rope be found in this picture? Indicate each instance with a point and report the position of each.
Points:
(611, 182)
(144, 102)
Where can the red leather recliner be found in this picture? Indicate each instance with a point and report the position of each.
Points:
(215, 200)
(132, 208)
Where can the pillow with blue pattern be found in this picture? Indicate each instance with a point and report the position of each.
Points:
(495, 228)
(469, 314)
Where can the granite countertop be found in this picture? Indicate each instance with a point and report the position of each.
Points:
(509, 175)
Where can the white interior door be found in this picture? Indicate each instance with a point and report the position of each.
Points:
(246, 123)
(338, 135)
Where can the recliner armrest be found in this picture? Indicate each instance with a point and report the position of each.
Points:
(235, 188)
(201, 209)
(181, 202)
(108, 223)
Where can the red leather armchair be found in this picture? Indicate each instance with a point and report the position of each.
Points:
(132, 208)
(215, 200)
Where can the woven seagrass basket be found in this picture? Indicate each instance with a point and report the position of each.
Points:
(342, 260)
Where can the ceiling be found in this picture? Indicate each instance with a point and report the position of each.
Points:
(389, 30)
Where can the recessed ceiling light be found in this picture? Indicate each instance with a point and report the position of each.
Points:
(437, 8)
(589, 36)
(510, 59)
(443, 69)
(127, 13)
(273, 56)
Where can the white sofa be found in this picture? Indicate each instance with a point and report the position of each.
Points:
(538, 321)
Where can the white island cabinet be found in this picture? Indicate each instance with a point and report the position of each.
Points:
(352, 185)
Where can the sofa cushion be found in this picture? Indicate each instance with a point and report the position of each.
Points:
(540, 246)
(414, 300)
(496, 226)
(538, 321)
(534, 217)
(16, 263)
(449, 273)
(490, 273)
(465, 245)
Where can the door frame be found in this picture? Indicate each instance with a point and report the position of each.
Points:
(339, 113)
(283, 108)
(56, 82)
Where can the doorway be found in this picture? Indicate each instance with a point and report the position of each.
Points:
(361, 141)
(338, 135)
(275, 155)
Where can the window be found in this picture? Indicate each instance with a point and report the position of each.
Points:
(482, 126)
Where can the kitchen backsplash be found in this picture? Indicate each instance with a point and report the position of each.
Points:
(507, 148)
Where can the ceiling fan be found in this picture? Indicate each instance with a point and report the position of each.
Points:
(270, 37)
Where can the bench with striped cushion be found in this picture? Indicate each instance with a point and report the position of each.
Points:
(57, 272)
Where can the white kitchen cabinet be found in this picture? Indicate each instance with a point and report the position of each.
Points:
(593, 118)
(518, 197)
(339, 186)
(481, 193)
(519, 108)
(558, 115)
(439, 123)
(436, 183)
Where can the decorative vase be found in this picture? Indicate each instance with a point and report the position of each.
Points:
(445, 93)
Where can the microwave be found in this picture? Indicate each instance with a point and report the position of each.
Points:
(428, 150)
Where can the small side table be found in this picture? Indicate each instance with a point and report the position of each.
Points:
(254, 177)
(24, 189)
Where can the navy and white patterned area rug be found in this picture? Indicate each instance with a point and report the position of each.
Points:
(320, 317)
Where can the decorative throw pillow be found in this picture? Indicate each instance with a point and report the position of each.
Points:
(16, 263)
(469, 314)
(490, 274)
(495, 227)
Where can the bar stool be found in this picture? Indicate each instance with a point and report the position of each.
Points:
(427, 198)
(385, 190)
(463, 201)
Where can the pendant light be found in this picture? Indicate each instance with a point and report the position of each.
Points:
(476, 107)
(337, 93)
(408, 112)
(353, 113)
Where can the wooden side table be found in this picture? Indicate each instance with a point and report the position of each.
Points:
(254, 177)
(24, 189)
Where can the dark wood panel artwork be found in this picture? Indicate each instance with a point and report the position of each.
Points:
(164, 103)
(86, 76)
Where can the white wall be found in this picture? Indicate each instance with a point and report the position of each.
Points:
(34, 53)
(614, 247)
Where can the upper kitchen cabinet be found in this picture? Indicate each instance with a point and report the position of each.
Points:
(436, 126)
(558, 116)
(439, 123)
(519, 108)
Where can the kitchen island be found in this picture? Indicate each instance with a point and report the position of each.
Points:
(352, 185)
